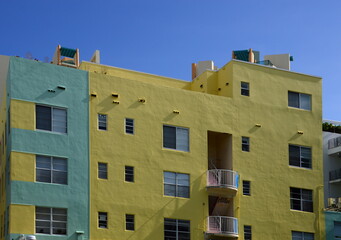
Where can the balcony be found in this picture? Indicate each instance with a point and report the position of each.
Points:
(222, 226)
(222, 182)
(335, 176)
(334, 146)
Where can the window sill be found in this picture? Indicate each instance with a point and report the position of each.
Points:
(176, 197)
(300, 211)
(46, 131)
(302, 168)
(295, 108)
(175, 150)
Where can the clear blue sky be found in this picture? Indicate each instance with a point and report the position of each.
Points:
(165, 36)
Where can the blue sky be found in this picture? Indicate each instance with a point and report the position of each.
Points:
(165, 37)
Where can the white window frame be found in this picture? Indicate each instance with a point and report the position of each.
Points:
(177, 224)
(245, 91)
(301, 163)
(102, 171)
(52, 170)
(304, 202)
(52, 119)
(246, 144)
(300, 96)
(51, 219)
(102, 220)
(176, 184)
(129, 126)
(103, 122)
(246, 188)
(178, 146)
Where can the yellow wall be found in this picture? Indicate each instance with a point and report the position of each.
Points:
(19, 224)
(22, 113)
(20, 161)
(266, 165)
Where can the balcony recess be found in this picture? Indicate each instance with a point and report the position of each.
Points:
(334, 146)
(222, 182)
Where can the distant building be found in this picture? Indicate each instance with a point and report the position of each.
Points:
(90, 151)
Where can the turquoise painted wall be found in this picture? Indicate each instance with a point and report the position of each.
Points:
(29, 81)
(331, 217)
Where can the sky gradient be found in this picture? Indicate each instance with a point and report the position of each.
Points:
(164, 37)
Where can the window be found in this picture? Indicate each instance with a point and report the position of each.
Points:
(247, 232)
(299, 100)
(129, 174)
(301, 199)
(299, 156)
(130, 222)
(102, 220)
(245, 91)
(51, 221)
(129, 126)
(103, 170)
(246, 144)
(337, 230)
(302, 235)
(51, 169)
(175, 229)
(51, 119)
(176, 184)
(102, 122)
(175, 138)
(247, 188)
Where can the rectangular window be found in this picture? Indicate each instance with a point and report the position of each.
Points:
(299, 100)
(247, 232)
(246, 144)
(175, 229)
(103, 170)
(302, 235)
(245, 91)
(176, 184)
(130, 222)
(51, 119)
(129, 174)
(301, 199)
(176, 138)
(337, 230)
(102, 122)
(299, 156)
(51, 221)
(102, 220)
(247, 188)
(51, 169)
(129, 126)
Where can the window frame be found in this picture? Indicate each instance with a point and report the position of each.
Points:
(130, 126)
(303, 235)
(178, 146)
(51, 169)
(52, 121)
(300, 96)
(246, 145)
(130, 222)
(51, 220)
(102, 171)
(100, 221)
(99, 121)
(301, 162)
(177, 185)
(247, 232)
(305, 204)
(246, 188)
(245, 91)
(177, 225)
(128, 174)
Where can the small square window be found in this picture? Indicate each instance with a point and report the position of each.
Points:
(129, 174)
(130, 222)
(129, 126)
(176, 138)
(102, 220)
(299, 100)
(245, 91)
(247, 188)
(102, 122)
(247, 232)
(103, 170)
(246, 144)
(299, 156)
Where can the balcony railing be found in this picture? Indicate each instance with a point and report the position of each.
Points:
(334, 142)
(222, 178)
(335, 175)
(221, 225)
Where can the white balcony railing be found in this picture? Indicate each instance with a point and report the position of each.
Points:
(222, 178)
(221, 225)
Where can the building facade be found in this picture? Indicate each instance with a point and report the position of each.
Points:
(101, 152)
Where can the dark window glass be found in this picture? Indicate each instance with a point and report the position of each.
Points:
(246, 144)
(169, 137)
(130, 222)
(245, 91)
(301, 199)
(247, 232)
(102, 220)
(129, 126)
(103, 170)
(51, 221)
(129, 174)
(102, 122)
(176, 184)
(299, 156)
(51, 169)
(247, 188)
(175, 229)
(43, 118)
